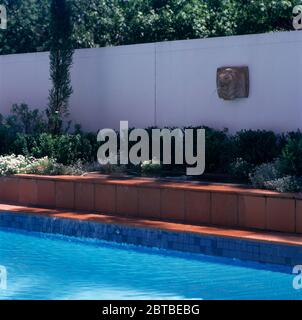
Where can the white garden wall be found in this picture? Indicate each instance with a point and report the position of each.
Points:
(170, 83)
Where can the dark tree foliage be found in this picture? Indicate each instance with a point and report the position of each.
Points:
(27, 31)
(61, 52)
(116, 22)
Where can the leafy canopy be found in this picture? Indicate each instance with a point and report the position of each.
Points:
(116, 22)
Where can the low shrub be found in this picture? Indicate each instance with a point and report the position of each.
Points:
(44, 166)
(151, 167)
(291, 158)
(66, 148)
(285, 184)
(271, 176)
(13, 164)
(240, 169)
(24, 132)
(265, 172)
(284, 174)
(112, 169)
(218, 150)
(27, 121)
(75, 169)
(257, 147)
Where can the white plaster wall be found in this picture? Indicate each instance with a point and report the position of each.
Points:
(170, 83)
(114, 84)
(24, 78)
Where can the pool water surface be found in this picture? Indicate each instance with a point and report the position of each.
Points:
(41, 266)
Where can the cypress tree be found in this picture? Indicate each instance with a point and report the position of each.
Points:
(61, 53)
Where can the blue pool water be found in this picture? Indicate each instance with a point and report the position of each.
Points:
(43, 266)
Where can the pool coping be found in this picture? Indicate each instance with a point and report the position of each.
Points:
(269, 237)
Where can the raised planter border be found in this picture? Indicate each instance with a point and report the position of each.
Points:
(147, 198)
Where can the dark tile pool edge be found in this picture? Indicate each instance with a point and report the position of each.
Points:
(211, 245)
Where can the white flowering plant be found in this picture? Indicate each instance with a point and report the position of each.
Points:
(14, 164)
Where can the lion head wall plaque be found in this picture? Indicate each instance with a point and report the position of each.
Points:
(233, 82)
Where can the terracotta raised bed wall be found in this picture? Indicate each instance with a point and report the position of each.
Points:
(189, 203)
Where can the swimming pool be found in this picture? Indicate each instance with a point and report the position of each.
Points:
(43, 266)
